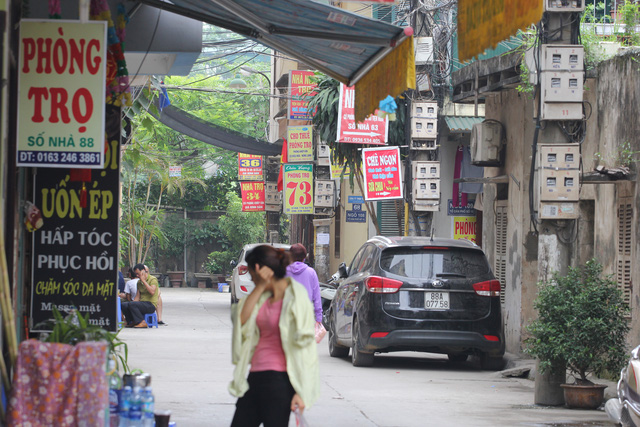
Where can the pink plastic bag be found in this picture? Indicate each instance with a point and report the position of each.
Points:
(320, 332)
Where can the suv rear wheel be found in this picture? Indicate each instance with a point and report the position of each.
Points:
(335, 349)
(358, 357)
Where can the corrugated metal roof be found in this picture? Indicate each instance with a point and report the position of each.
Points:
(461, 124)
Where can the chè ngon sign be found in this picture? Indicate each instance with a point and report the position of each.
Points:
(61, 94)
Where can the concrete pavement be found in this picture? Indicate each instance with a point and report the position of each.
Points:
(190, 364)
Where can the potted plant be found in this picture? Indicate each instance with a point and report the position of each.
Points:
(581, 325)
(217, 264)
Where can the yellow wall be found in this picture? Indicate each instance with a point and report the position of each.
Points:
(353, 234)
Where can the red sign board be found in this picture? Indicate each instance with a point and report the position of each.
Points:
(249, 167)
(252, 196)
(373, 130)
(301, 90)
(382, 173)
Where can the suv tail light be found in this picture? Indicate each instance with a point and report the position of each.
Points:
(243, 269)
(382, 285)
(490, 288)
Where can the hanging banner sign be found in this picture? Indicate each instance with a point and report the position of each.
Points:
(249, 167)
(75, 253)
(61, 94)
(374, 129)
(464, 227)
(175, 171)
(300, 144)
(298, 189)
(252, 196)
(484, 24)
(301, 89)
(337, 170)
(382, 177)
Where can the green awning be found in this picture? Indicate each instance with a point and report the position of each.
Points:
(462, 124)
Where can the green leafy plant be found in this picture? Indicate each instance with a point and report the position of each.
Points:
(525, 86)
(581, 325)
(218, 262)
(75, 328)
(630, 12)
(625, 155)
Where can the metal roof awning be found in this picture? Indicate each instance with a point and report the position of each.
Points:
(461, 124)
(341, 44)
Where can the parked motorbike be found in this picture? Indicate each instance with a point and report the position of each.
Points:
(328, 292)
(625, 409)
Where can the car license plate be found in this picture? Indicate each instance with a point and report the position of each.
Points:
(436, 301)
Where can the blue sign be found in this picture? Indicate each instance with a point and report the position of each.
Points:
(356, 216)
(460, 210)
(357, 207)
(355, 199)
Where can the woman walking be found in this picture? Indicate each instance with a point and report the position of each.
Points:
(274, 332)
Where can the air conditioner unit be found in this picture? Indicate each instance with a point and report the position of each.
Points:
(486, 144)
(424, 50)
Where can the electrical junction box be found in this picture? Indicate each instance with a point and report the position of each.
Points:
(562, 86)
(561, 111)
(324, 187)
(425, 205)
(486, 143)
(424, 110)
(425, 170)
(323, 200)
(560, 185)
(558, 210)
(555, 57)
(559, 156)
(423, 47)
(272, 208)
(423, 144)
(563, 5)
(424, 128)
(426, 189)
(272, 196)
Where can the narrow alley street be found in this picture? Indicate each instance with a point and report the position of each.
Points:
(189, 361)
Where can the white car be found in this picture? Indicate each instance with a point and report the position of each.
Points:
(241, 283)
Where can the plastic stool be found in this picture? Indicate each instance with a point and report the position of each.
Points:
(119, 313)
(151, 319)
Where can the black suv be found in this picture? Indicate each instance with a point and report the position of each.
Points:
(418, 294)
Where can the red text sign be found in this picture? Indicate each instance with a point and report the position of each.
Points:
(382, 177)
(301, 90)
(252, 196)
(373, 130)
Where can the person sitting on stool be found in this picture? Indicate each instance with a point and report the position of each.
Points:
(145, 301)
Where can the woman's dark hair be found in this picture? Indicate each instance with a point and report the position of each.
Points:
(275, 259)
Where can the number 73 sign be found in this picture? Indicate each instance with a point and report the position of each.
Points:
(298, 189)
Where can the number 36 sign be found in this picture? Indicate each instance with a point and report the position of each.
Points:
(298, 189)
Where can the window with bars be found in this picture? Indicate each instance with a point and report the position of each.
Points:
(625, 248)
(500, 247)
(391, 217)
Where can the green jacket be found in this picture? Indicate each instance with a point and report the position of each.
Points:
(297, 331)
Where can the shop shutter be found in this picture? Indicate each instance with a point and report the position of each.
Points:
(391, 217)
(625, 248)
(500, 247)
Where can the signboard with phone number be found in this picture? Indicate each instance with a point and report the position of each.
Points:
(298, 189)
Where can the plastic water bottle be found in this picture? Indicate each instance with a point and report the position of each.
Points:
(135, 411)
(115, 386)
(125, 406)
(148, 418)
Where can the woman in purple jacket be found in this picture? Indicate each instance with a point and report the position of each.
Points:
(307, 276)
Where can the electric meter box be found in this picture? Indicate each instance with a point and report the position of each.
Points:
(424, 110)
(562, 86)
(323, 153)
(561, 111)
(426, 189)
(272, 195)
(424, 128)
(423, 144)
(558, 210)
(323, 200)
(272, 208)
(324, 187)
(560, 185)
(563, 5)
(426, 205)
(559, 156)
(562, 57)
(486, 144)
(425, 170)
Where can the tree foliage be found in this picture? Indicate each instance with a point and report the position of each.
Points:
(582, 323)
